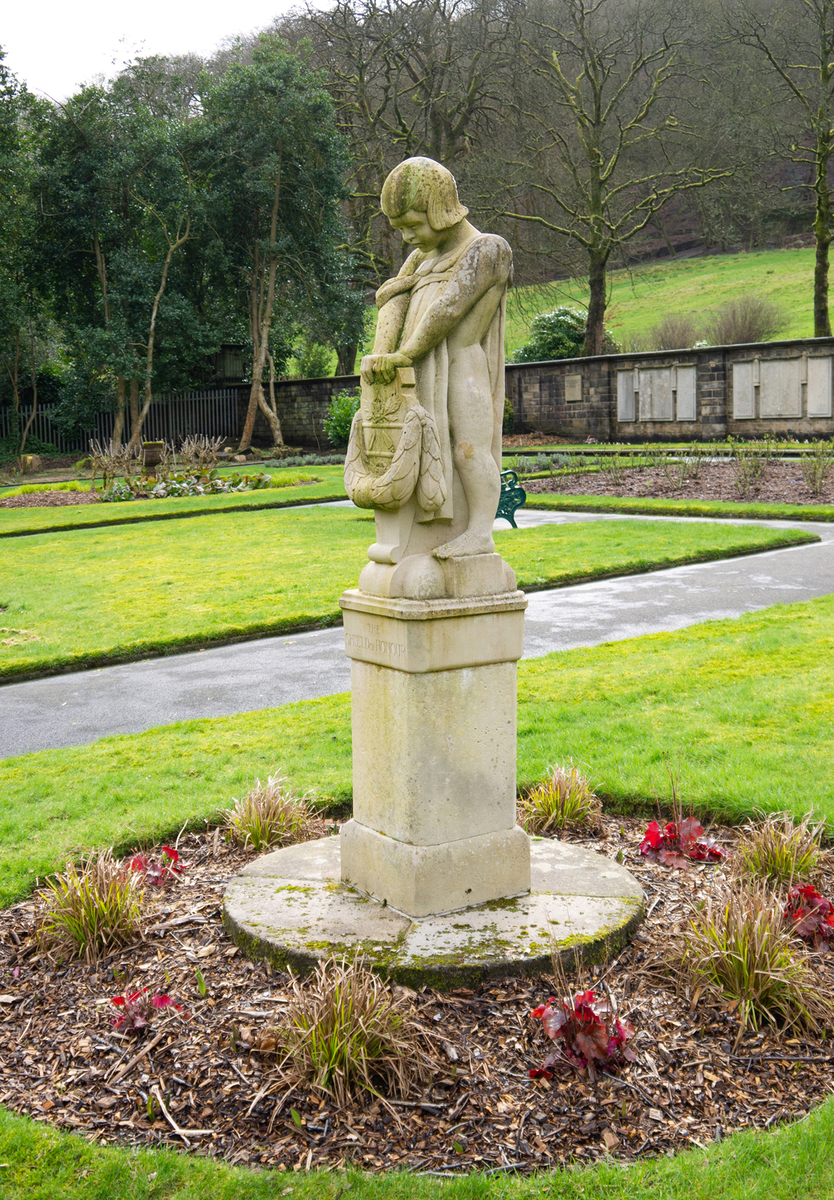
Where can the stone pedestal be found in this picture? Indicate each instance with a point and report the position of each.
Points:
(434, 750)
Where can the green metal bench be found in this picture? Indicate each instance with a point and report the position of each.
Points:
(512, 497)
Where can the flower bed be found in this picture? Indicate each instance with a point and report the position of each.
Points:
(71, 1067)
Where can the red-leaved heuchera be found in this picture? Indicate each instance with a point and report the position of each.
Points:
(588, 1033)
(811, 916)
(138, 1009)
(157, 872)
(679, 842)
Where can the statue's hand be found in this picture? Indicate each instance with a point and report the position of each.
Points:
(381, 368)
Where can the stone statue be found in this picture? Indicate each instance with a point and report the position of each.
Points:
(425, 446)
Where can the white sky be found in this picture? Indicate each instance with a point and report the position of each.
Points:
(55, 47)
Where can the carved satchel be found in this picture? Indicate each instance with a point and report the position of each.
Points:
(394, 450)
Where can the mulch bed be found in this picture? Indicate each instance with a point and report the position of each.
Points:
(512, 441)
(62, 1062)
(49, 499)
(782, 483)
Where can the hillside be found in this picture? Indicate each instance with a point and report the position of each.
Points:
(696, 286)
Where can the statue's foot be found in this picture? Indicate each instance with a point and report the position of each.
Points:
(468, 543)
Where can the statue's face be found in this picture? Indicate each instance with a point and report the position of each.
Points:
(416, 230)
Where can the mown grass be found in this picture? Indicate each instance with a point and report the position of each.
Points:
(789, 1163)
(745, 707)
(641, 296)
(691, 286)
(18, 522)
(98, 595)
(681, 508)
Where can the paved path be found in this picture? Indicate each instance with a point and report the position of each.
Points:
(73, 709)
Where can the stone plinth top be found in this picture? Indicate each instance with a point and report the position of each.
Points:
(424, 636)
(290, 908)
(428, 610)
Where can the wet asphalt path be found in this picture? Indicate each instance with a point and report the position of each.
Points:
(81, 707)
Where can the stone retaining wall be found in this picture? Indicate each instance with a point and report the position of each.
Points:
(764, 388)
(302, 406)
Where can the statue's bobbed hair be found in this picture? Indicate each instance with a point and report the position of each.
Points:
(423, 185)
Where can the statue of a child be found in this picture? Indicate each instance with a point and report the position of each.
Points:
(443, 315)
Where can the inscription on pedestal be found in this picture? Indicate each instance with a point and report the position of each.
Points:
(371, 642)
(425, 636)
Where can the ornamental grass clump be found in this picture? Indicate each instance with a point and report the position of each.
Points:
(91, 909)
(565, 800)
(738, 949)
(779, 850)
(343, 1034)
(270, 815)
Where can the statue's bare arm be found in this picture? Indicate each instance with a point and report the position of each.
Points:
(465, 310)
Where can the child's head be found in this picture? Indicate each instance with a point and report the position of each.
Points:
(423, 185)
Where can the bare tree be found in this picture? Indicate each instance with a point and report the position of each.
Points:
(408, 77)
(796, 40)
(174, 240)
(601, 152)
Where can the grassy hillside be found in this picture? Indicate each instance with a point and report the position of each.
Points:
(639, 298)
(696, 286)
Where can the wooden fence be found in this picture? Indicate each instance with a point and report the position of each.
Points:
(212, 412)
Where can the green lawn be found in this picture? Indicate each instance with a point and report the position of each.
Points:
(692, 286)
(680, 508)
(745, 707)
(17, 522)
(790, 1163)
(96, 595)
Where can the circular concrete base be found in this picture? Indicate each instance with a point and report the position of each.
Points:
(291, 908)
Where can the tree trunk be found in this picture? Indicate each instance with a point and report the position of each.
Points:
(595, 328)
(134, 404)
(119, 423)
(822, 233)
(34, 376)
(251, 411)
(261, 302)
(180, 240)
(346, 354)
(270, 410)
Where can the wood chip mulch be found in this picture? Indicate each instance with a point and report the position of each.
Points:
(513, 441)
(782, 483)
(49, 499)
(62, 1062)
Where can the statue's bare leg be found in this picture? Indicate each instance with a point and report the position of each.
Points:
(471, 427)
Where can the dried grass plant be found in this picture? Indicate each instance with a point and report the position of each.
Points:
(199, 453)
(271, 815)
(778, 850)
(738, 949)
(112, 459)
(565, 800)
(675, 331)
(817, 465)
(345, 1033)
(749, 318)
(91, 908)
